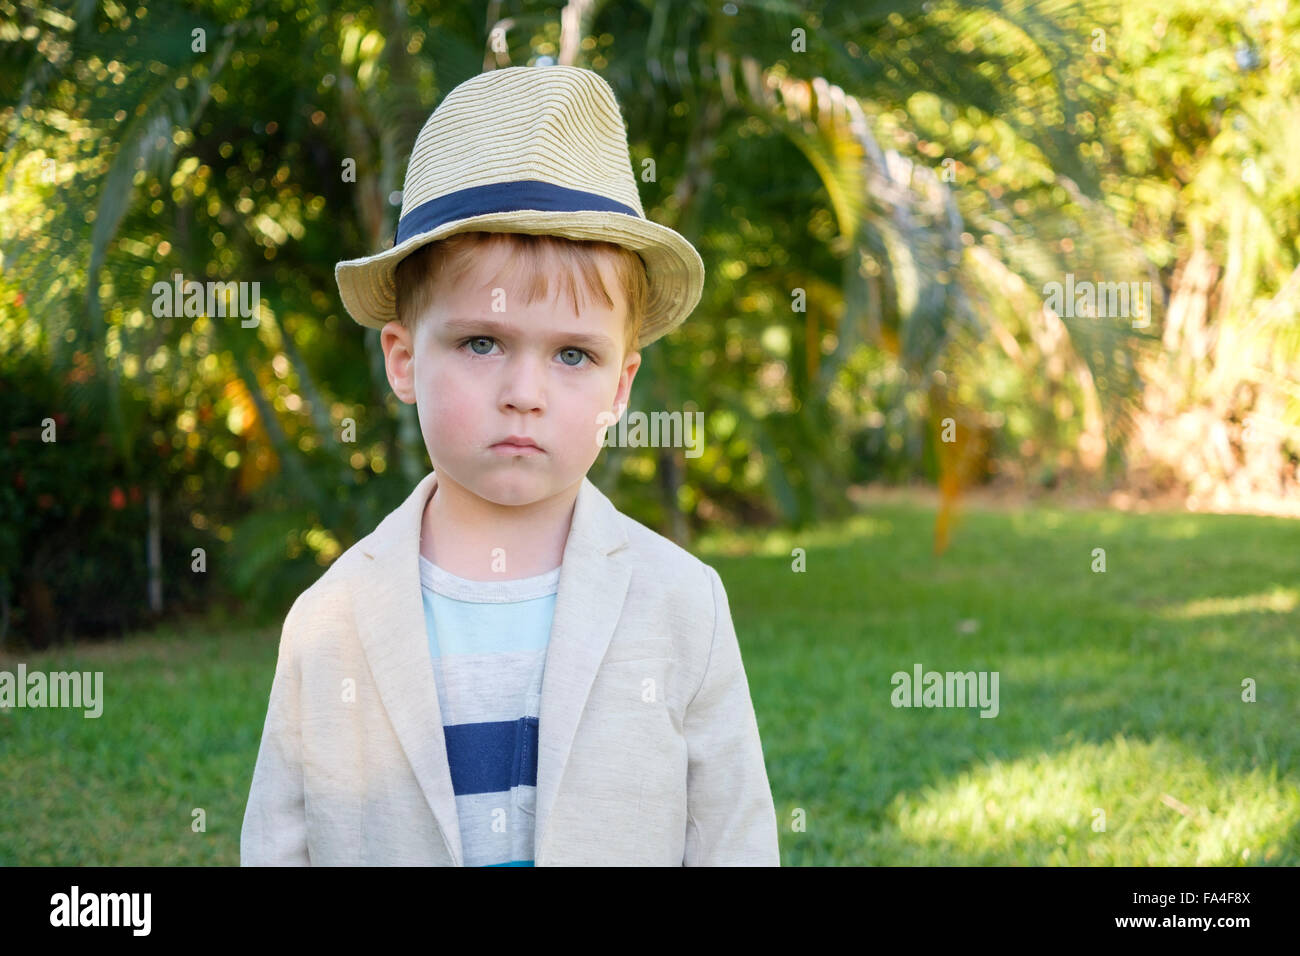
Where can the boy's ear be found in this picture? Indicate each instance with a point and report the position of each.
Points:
(399, 360)
(631, 362)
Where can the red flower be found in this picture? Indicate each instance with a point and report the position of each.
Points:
(45, 501)
(135, 493)
(19, 299)
(117, 499)
(19, 481)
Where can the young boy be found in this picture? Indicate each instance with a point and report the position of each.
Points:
(508, 671)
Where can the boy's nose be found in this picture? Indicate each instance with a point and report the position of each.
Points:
(524, 388)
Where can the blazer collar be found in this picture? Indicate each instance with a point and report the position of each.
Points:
(390, 622)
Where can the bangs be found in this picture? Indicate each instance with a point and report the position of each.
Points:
(528, 269)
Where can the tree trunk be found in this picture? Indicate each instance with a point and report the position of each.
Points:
(155, 551)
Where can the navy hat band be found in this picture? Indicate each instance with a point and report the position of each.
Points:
(524, 194)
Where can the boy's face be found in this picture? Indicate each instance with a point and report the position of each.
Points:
(479, 377)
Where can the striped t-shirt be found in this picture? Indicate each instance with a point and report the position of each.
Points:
(488, 642)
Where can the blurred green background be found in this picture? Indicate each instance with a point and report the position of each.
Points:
(884, 195)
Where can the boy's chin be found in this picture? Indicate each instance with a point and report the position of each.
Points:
(515, 488)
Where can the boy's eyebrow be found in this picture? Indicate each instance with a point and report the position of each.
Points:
(466, 326)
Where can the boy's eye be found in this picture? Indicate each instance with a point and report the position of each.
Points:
(576, 354)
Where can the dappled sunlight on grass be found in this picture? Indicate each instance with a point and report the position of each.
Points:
(1037, 522)
(1050, 666)
(1279, 600)
(1170, 528)
(1159, 802)
(1046, 521)
(1112, 524)
(781, 543)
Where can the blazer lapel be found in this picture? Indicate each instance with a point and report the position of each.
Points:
(390, 622)
(593, 585)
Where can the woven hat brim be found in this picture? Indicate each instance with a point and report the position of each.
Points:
(674, 269)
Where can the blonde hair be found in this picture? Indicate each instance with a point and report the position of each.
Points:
(532, 258)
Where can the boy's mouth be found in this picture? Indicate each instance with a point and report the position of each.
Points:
(517, 445)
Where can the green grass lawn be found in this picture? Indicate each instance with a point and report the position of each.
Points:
(1120, 702)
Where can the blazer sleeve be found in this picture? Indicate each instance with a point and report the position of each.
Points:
(730, 819)
(275, 821)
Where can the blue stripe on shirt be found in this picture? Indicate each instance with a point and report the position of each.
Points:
(488, 642)
(494, 756)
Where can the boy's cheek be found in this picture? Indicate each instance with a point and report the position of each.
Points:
(444, 394)
(449, 421)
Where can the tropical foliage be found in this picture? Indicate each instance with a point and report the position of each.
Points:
(882, 193)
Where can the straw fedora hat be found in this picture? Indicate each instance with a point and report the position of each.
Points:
(539, 150)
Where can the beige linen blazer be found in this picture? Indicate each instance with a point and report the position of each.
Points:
(649, 750)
